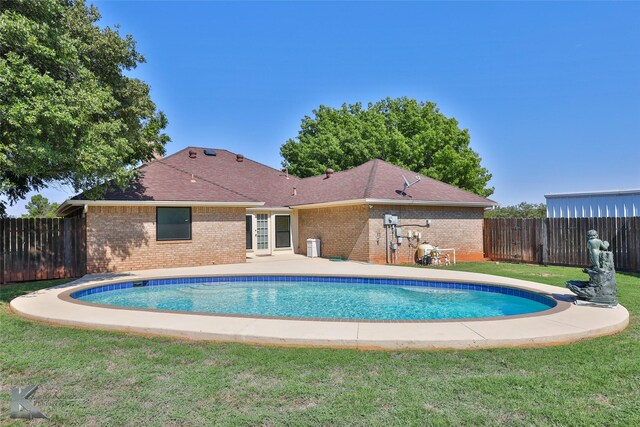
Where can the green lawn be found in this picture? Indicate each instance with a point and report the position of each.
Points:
(105, 378)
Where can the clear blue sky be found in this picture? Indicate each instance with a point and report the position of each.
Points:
(550, 92)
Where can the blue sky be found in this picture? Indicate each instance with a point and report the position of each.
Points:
(550, 92)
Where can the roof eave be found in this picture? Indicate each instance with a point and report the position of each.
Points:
(65, 208)
(270, 208)
(487, 204)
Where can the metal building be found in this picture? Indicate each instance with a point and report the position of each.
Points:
(594, 204)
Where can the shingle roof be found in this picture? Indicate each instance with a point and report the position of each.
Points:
(248, 178)
(221, 178)
(377, 179)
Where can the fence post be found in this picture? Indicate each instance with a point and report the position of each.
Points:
(545, 243)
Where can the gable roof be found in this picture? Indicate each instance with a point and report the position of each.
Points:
(223, 179)
(380, 181)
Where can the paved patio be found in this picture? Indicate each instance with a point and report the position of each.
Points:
(566, 323)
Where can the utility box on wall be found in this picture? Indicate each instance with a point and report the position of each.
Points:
(313, 248)
(390, 219)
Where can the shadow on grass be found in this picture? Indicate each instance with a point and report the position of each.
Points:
(10, 291)
(14, 290)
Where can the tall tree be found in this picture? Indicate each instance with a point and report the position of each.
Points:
(411, 134)
(68, 112)
(39, 207)
(521, 210)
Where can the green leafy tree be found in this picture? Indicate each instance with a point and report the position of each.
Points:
(521, 210)
(411, 134)
(39, 207)
(68, 112)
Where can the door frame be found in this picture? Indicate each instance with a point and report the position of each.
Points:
(267, 222)
(271, 215)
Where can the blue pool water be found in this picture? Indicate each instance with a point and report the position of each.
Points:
(324, 298)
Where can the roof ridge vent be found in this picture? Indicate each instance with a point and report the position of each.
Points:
(240, 158)
(209, 152)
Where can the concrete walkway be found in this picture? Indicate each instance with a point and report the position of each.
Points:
(565, 323)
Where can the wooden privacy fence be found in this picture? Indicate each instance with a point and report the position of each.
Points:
(42, 248)
(561, 241)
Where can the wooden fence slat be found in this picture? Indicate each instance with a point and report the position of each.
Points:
(635, 243)
(8, 250)
(579, 240)
(60, 248)
(39, 233)
(46, 262)
(11, 244)
(19, 252)
(50, 249)
(630, 242)
(33, 260)
(554, 246)
(525, 241)
(621, 236)
(574, 241)
(554, 237)
(552, 240)
(544, 230)
(3, 251)
(621, 225)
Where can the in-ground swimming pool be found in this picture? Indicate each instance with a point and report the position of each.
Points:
(311, 297)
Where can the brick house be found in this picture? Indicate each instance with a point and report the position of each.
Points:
(210, 206)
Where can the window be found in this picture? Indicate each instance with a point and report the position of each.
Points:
(173, 223)
(283, 231)
(249, 231)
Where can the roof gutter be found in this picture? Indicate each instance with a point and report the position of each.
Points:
(272, 209)
(487, 204)
(86, 203)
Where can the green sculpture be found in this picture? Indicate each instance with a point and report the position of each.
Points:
(601, 289)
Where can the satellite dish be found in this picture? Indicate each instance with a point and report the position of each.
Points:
(408, 184)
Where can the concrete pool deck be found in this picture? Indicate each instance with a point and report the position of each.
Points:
(563, 324)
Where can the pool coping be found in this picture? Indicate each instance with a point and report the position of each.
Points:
(560, 305)
(561, 324)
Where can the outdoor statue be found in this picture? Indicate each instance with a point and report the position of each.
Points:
(601, 289)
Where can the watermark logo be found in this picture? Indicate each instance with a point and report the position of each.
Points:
(21, 407)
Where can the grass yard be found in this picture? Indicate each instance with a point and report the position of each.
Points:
(105, 378)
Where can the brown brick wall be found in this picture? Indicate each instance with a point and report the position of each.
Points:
(358, 233)
(121, 238)
(451, 227)
(343, 231)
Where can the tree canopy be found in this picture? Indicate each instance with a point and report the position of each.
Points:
(411, 134)
(521, 210)
(68, 112)
(39, 207)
